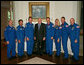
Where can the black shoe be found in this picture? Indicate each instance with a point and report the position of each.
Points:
(19, 56)
(57, 55)
(9, 58)
(50, 55)
(29, 55)
(13, 57)
(46, 53)
(73, 59)
(41, 54)
(65, 58)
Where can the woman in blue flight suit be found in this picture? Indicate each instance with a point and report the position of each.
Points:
(10, 36)
(57, 37)
(74, 33)
(20, 37)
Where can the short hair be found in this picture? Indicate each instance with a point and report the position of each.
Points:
(47, 17)
(73, 19)
(63, 17)
(9, 20)
(20, 20)
(29, 17)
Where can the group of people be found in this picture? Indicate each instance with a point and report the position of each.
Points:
(40, 33)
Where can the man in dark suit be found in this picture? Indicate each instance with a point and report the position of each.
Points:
(39, 36)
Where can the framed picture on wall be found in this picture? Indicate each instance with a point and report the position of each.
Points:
(39, 10)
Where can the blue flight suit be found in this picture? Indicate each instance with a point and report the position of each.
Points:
(57, 35)
(10, 35)
(64, 34)
(74, 33)
(49, 41)
(29, 32)
(20, 32)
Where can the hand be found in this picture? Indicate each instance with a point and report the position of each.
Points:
(43, 38)
(75, 41)
(7, 42)
(27, 39)
(18, 41)
(34, 38)
(51, 37)
(24, 39)
(58, 40)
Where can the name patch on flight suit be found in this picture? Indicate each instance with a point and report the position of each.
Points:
(20, 28)
(23, 28)
(49, 26)
(9, 28)
(62, 26)
(73, 28)
(29, 25)
(56, 27)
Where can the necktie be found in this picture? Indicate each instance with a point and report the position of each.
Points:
(39, 26)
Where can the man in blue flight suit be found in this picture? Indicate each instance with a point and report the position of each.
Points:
(74, 32)
(20, 37)
(57, 37)
(64, 34)
(10, 36)
(49, 36)
(29, 33)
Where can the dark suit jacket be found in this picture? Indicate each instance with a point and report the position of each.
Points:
(39, 34)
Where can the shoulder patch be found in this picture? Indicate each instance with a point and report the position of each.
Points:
(66, 25)
(77, 26)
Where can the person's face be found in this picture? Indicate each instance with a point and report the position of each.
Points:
(20, 23)
(62, 20)
(39, 21)
(10, 22)
(56, 22)
(48, 20)
(71, 21)
(30, 20)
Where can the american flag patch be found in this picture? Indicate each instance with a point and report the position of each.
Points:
(66, 25)
(77, 26)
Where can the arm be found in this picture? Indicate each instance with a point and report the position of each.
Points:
(59, 35)
(35, 31)
(26, 30)
(77, 33)
(44, 31)
(6, 34)
(17, 33)
(52, 31)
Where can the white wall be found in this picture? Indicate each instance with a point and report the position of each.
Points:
(57, 10)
